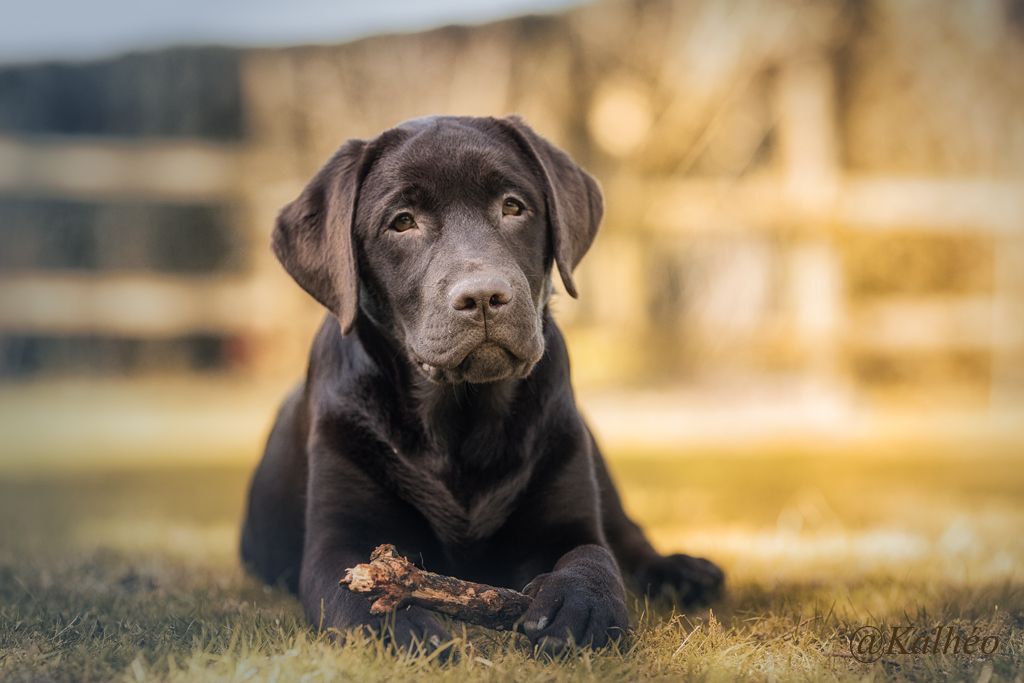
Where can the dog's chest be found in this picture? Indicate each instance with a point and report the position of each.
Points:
(459, 511)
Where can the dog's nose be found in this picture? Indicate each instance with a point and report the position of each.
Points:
(484, 293)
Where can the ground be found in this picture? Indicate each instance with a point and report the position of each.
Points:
(133, 575)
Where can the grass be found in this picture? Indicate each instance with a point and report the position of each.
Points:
(132, 576)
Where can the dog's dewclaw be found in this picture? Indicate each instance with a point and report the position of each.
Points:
(396, 582)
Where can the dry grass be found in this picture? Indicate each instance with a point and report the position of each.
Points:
(133, 576)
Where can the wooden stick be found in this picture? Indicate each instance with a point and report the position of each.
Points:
(397, 582)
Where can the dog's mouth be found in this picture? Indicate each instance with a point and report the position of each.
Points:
(487, 362)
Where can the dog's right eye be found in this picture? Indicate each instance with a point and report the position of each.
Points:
(403, 221)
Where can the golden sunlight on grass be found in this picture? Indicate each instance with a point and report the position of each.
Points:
(133, 576)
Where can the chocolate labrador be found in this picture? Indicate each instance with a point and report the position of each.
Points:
(437, 412)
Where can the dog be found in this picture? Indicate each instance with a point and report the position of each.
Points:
(437, 412)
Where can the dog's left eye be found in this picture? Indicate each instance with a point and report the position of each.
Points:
(403, 221)
(512, 207)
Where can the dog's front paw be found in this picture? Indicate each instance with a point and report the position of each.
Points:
(688, 580)
(571, 608)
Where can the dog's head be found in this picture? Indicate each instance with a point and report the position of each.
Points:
(442, 233)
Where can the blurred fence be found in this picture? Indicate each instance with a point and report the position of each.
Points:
(815, 212)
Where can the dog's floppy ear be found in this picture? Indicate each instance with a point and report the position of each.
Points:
(574, 200)
(313, 236)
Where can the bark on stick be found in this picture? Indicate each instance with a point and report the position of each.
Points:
(396, 582)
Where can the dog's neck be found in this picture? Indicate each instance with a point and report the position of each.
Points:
(455, 413)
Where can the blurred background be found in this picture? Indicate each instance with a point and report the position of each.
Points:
(814, 234)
